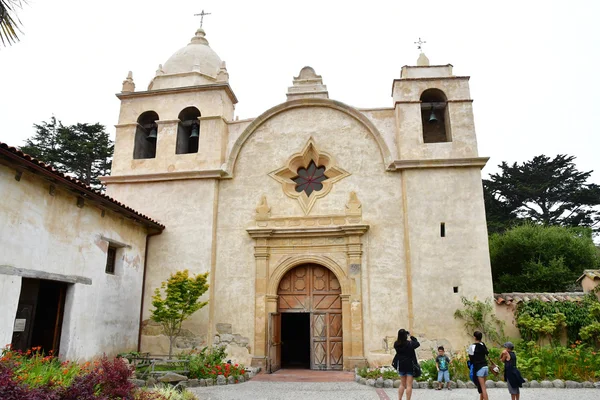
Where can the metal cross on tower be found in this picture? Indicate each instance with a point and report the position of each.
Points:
(202, 14)
(420, 44)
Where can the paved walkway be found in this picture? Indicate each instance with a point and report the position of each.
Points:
(305, 375)
(256, 390)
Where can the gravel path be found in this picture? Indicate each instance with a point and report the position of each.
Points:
(354, 391)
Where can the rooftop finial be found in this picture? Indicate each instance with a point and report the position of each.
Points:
(420, 44)
(128, 85)
(422, 61)
(201, 15)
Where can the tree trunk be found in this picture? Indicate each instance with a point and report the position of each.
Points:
(171, 338)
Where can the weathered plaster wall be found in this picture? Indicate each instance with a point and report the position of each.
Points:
(507, 315)
(10, 289)
(385, 122)
(186, 207)
(460, 259)
(41, 232)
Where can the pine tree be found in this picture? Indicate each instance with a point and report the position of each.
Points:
(543, 190)
(81, 150)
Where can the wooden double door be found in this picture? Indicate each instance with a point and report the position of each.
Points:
(314, 291)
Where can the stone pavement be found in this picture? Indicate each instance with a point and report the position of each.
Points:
(257, 390)
(305, 375)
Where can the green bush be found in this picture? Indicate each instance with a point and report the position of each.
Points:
(578, 362)
(374, 373)
(577, 315)
(428, 371)
(538, 258)
(167, 392)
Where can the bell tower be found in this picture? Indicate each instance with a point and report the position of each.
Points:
(178, 127)
(171, 141)
(434, 113)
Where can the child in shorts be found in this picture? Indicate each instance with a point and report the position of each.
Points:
(442, 363)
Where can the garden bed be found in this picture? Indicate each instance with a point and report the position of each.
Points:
(575, 366)
(32, 375)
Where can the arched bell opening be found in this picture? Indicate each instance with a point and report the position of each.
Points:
(188, 131)
(310, 309)
(434, 116)
(146, 135)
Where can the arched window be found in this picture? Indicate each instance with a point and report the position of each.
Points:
(146, 135)
(188, 131)
(434, 116)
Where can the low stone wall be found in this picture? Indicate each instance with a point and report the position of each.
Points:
(183, 381)
(556, 384)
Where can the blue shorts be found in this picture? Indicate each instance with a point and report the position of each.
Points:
(483, 372)
(444, 376)
(405, 373)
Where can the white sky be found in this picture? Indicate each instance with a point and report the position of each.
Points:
(533, 64)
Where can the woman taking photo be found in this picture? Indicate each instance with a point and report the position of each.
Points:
(403, 361)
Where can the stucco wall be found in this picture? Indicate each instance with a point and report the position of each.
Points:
(186, 207)
(506, 314)
(41, 232)
(453, 196)
(10, 288)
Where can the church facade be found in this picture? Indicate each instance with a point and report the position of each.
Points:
(324, 228)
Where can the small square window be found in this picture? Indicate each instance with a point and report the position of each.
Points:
(455, 289)
(443, 229)
(111, 257)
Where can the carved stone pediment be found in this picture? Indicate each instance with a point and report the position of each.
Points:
(305, 226)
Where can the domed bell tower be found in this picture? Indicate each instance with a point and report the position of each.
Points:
(177, 128)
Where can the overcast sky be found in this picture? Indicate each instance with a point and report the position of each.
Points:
(533, 64)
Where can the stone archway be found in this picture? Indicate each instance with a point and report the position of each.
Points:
(284, 243)
(309, 297)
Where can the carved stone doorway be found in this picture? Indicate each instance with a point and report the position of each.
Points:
(313, 290)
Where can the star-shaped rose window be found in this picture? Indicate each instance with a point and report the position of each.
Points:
(309, 175)
(309, 179)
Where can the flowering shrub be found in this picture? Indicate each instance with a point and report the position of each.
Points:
(34, 376)
(209, 363)
(35, 369)
(214, 370)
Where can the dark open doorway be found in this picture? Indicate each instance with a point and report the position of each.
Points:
(295, 335)
(39, 315)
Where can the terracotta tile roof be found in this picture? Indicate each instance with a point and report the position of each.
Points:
(590, 273)
(516, 298)
(88, 193)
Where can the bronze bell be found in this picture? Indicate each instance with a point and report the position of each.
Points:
(195, 132)
(152, 135)
(432, 118)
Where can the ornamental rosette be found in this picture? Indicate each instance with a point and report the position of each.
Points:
(308, 175)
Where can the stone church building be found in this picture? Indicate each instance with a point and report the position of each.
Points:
(324, 228)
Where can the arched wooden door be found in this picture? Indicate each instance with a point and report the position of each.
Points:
(315, 289)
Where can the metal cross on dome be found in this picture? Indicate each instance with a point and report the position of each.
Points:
(201, 15)
(420, 44)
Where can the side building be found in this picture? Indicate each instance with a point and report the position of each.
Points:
(71, 263)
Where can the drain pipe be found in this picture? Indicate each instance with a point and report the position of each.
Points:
(148, 236)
